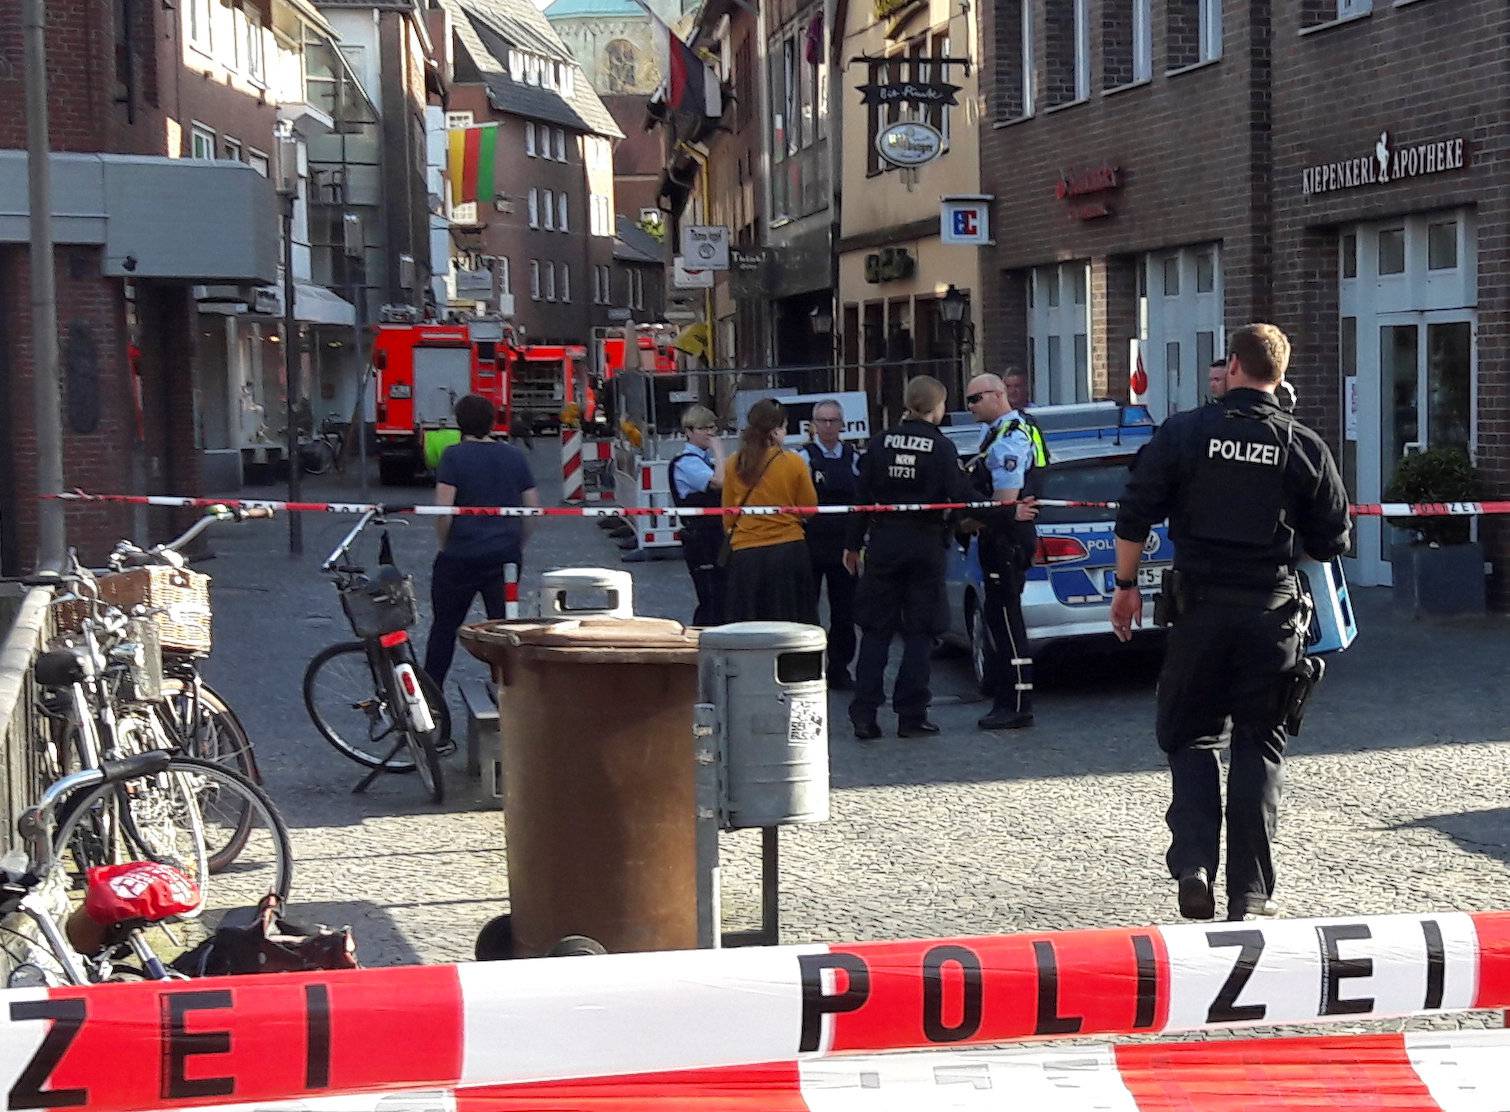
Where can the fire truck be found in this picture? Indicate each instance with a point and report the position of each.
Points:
(421, 369)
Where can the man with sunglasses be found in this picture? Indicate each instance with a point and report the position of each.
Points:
(836, 475)
(1007, 469)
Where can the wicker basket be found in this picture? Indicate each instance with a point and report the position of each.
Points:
(374, 612)
(183, 596)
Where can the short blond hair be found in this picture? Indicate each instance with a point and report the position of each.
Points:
(697, 416)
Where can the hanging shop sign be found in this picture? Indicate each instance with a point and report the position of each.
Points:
(706, 246)
(1388, 163)
(965, 220)
(928, 93)
(1087, 193)
(909, 143)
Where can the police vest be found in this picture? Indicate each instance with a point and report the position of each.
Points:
(1234, 493)
(710, 524)
(1032, 482)
(837, 485)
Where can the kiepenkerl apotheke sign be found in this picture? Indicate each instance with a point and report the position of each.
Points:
(1387, 164)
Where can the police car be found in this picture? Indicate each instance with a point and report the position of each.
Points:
(1069, 587)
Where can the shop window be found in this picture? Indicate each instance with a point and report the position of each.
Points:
(1442, 245)
(1349, 251)
(1205, 272)
(1012, 85)
(1192, 33)
(1392, 251)
(1126, 44)
(1172, 276)
(1066, 45)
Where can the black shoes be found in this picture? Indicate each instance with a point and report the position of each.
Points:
(1196, 900)
(1005, 718)
(918, 727)
(866, 729)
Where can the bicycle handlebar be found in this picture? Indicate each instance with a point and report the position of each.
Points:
(35, 824)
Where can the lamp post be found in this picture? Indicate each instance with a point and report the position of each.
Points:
(352, 229)
(288, 193)
(952, 307)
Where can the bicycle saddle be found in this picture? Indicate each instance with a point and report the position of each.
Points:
(58, 668)
(138, 891)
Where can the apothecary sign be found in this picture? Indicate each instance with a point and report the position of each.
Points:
(909, 143)
(1388, 163)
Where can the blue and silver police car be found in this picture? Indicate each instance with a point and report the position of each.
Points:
(1069, 587)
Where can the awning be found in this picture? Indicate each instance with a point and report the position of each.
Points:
(312, 304)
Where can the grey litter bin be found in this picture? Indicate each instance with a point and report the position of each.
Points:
(767, 681)
(579, 592)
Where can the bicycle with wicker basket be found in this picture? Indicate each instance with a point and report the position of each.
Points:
(368, 697)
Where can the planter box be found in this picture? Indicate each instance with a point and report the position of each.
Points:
(1439, 581)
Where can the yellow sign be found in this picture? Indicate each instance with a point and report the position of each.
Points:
(885, 9)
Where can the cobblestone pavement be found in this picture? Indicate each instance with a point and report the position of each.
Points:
(1396, 796)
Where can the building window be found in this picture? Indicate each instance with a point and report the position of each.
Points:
(201, 142)
(199, 14)
(1066, 35)
(529, 138)
(1442, 245)
(255, 63)
(798, 78)
(231, 149)
(559, 137)
(534, 207)
(566, 282)
(1392, 251)
(548, 209)
(1193, 33)
(623, 67)
(1126, 43)
(238, 40)
(505, 279)
(1172, 276)
(1012, 84)
(550, 281)
(1205, 272)
(561, 222)
(259, 162)
(1318, 13)
(1180, 314)
(637, 285)
(1059, 333)
(1349, 249)
(534, 279)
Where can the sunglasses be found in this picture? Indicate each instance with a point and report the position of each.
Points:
(972, 399)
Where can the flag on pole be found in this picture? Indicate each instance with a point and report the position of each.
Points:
(472, 151)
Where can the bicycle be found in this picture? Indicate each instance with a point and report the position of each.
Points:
(322, 451)
(361, 693)
(120, 902)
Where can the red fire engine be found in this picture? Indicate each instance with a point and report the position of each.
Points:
(422, 369)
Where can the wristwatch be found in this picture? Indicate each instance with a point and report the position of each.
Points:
(1125, 584)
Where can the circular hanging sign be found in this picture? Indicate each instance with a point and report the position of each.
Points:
(909, 143)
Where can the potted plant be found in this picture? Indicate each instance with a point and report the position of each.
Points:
(1438, 570)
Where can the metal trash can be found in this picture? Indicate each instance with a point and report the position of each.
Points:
(598, 779)
(767, 681)
(582, 592)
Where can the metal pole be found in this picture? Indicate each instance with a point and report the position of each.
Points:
(358, 328)
(47, 399)
(290, 375)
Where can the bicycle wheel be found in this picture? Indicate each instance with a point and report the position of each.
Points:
(265, 863)
(200, 724)
(159, 815)
(348, 704)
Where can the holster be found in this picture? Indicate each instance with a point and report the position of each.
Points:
(1296, 688)
(1168, 602)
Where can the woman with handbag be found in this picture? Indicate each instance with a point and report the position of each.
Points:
(770, 571)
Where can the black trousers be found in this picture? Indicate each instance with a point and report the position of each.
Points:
(841, 608)
(1010, 664)
(1223, 660)
(900, 591)
(700, 548)
(453, 585)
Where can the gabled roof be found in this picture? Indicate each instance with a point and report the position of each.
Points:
(487, 29)
(633, 244)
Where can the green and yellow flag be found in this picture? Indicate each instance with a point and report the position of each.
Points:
(472, 151)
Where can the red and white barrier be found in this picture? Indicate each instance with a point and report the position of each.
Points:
(510, 591)
(1375, 509)
(577, 450)
(294, 1036)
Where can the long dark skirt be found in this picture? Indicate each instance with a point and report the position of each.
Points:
(772, 583)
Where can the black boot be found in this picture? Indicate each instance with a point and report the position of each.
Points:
(1196, 900)
(1006, 716)
(916, 727)
(866, 726)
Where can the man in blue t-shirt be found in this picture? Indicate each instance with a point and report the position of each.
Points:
(478, 471)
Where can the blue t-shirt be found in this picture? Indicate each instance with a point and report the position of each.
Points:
(486, 473)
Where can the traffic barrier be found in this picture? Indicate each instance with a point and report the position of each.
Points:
(576, 451)
(295, 1036)
(1373, 509)
(510, 591)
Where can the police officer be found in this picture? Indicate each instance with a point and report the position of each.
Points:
(902, 589)
(1008, 469)
(1247, 490)
(696, 481)
(1016, 381)
(836, 475)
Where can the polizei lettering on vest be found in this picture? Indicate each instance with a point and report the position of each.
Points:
(898, 442)
(1240, 451)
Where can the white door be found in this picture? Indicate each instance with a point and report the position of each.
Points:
(1416, 391)
(1181, 310)
(1059, 319)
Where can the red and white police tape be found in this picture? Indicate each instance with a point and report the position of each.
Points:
(1372, 509)
(236, 1040)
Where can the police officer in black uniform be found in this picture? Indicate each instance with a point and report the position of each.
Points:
(902, 588)
(836, 475)
(1247, 490)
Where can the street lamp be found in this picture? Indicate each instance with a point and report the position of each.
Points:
(287, 183)
(952, 307)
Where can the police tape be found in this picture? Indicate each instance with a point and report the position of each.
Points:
(1368, 509)
(240, 1040)
(1457, 1071)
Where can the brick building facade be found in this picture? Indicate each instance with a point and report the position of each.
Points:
(1165, 170)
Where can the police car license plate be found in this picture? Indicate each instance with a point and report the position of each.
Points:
(1148, 578)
